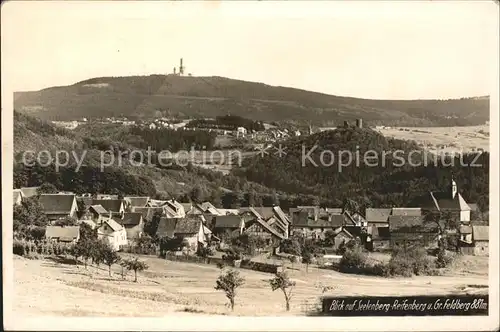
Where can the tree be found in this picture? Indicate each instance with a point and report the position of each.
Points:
(29, 213)
(307, 258)
(47, 188)
(228, 282)
(282, 281)
(110, 257)
(350, 206)
(66, 221)
(135, 265)
(76, 251)
(87, 232)
(197, 194)
(150, 226)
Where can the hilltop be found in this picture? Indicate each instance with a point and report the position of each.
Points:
(202, 97)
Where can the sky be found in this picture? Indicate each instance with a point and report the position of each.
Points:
(379, 50)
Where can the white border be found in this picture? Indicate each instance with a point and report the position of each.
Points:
(226, 323)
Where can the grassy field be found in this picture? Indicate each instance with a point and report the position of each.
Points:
(452, 138)
(47, 287)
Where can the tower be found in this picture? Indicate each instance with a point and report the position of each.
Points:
(454, 188)
(181, 69)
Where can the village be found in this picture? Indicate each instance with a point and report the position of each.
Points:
(120, 222)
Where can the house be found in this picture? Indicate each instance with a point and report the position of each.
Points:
(149, 212)
(379, 239)
(95, 213)
(189, 228)
(316, 226)
(114, 206)
(64, 234)
(378, 217)
(273, 216)
(17, 197)
(29, 191)
(480, 236)
(228, 225)
(113, 233)
(450, 201)
(241, 131)
(465, 241)
(405, 230)
(257, 226)
(342, 236)
(209, 208)
(135, 201)
(133, 223)
(170, 208)
(57, 206)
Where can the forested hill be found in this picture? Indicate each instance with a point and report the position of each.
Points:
(208, 97)
(375, 181)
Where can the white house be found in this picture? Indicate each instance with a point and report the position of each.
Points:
(241, 131)
(113, 233)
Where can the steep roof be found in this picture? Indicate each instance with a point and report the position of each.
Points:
(404, 223)
(406, 211)
(148, 212)
(29, 191)
(444, 201)
(99, 209)
(56, 203)
(480, 233)
(139, 201)
(327, 221)
(166, 227)
(188, 225)
(230, 221)
(473, 206)
(111, 205)
(63, 233)
(115, 226)
(85, 199)
(131, 219)
(377, 215)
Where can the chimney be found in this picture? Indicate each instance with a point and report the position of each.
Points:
(359, 123)
(110, 214)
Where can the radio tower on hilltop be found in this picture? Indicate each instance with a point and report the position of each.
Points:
(181, 69)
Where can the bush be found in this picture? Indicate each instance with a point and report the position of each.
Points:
(353, 261)
(18, 247)
(444, 259)
(409, 262)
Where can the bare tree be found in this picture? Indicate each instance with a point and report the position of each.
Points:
(228, 282)
(282, 281)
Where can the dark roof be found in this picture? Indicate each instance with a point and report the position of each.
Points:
(405, 222)
(111, 205)
(377, 215)
(187, 225)
(230, 221)
(380, 233)
(301, 219)
(480, 233)
(148, 212)
(63, 233)
(98, 209)
(406, 211)
(86, 200)
(443, 201)
(137, 200)
(131, 219)
(56, 203)
(166, 227)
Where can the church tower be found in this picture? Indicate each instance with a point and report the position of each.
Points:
(454, 188)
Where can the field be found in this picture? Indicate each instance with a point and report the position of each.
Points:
(444, 139)
(48, 287)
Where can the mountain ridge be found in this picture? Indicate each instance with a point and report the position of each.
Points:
(209, 96)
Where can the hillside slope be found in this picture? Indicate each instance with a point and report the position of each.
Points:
(160, 95)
